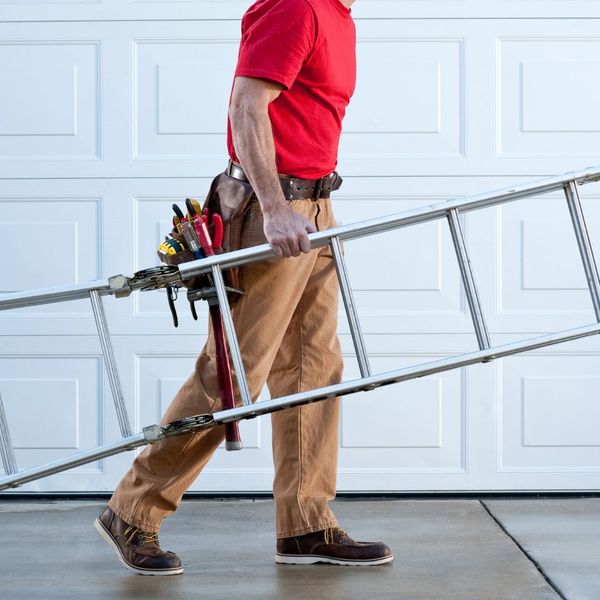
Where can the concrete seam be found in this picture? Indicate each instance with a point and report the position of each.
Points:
(537, 565)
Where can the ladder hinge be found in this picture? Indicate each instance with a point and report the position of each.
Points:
(153, 433)
(119, 286)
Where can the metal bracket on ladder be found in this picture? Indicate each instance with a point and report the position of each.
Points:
(160, 277)
(6, 449)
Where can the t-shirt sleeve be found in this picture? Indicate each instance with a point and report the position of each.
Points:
(277, 42)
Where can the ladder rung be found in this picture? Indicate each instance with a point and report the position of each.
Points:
(464, 263)
(584, 243)
(6, 449)
(353, 320)
(234, 346)
(110, 363)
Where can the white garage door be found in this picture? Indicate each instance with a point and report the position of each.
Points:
(110, 110)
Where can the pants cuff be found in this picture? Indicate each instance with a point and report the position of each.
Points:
(305, 530)
(132, 520)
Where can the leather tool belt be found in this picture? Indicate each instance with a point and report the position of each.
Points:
(293, 187)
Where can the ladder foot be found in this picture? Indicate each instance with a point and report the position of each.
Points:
(233, 446)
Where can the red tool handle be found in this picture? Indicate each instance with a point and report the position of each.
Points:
(218, 232)
(204, 237)
(233, 441)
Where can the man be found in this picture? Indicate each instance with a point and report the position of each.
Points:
(295, 75)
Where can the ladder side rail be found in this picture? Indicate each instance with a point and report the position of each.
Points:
(319, 239)
(390, 222)
(464, 263)
(584, 243)
(412, 372)
(155, 433)
(232, 341)
(110, 363)
(76, 460)
(350, 306)
(52, 295)
(7, 452)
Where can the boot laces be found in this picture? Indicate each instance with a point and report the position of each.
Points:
(143, 537)
(329, 534)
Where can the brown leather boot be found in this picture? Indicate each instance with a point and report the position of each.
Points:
(331, 546)
(138, 550)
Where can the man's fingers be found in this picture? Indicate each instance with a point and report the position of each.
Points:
(305, 244)
(304, 241)
(288, 236)
(294, 246)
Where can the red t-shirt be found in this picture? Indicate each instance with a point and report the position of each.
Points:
(308, 46)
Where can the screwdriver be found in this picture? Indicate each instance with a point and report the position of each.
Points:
(200, 226)
(188, 233)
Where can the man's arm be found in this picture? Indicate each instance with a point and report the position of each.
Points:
(286, 230)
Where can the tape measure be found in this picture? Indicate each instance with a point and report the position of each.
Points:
(171, 246)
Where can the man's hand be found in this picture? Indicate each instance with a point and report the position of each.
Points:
(287, 231)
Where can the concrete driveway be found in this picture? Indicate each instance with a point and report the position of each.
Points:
(515, 549)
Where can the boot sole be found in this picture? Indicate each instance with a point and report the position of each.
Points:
(139, 570)
(310, 559)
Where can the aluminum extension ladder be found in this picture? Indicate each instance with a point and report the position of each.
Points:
(160, 277)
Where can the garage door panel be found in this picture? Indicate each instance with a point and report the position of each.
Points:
(547, 410)
(64, 231)
(55, 240)
(175, 78)
(416, 110)
(544, 91)
(404, 274)
(49, 104)
(541, 270)
(415, 426)
(53, 406)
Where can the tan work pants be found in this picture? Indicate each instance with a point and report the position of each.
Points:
(286, 326)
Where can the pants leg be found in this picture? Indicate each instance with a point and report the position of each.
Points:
(153, 487)
(305, 438)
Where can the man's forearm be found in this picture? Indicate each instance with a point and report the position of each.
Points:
(253, 140)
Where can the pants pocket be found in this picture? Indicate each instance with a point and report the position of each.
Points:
(253, 233)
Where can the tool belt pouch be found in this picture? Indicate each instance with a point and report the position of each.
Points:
(229, 198)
